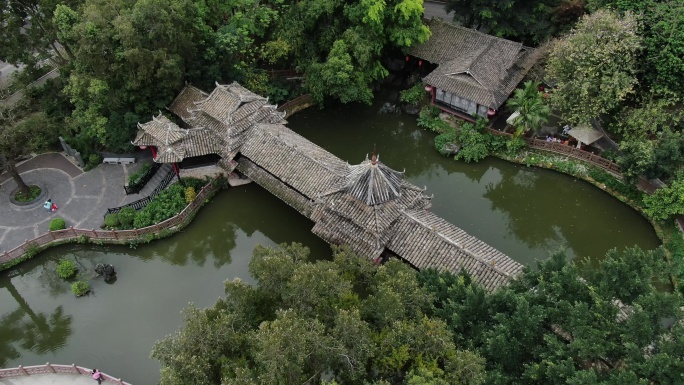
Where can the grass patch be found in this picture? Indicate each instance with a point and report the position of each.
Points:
(34, 192)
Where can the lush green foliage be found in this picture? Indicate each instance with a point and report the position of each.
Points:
(111, 221)
(561, 324)
(126, 217)
(121, 61)
(612, 183)
(168, 203)
(594, 67)
(57, 224)
(80, 288)
(474, 140)
(19, 135)
(138, 174)
(34, 192)
(429, 118)
(445, 140)
(659, 158)
(530, 104)
(66, 268)
(647, 119)
(19, 44)
(667, 201)
(304, 319)
(414, 95)
(531, 21)
(92, 161)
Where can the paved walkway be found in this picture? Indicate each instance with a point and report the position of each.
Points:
(50, 379)
(436, 9)
(82, 197)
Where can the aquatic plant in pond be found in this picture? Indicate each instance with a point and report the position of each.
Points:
(66, 269)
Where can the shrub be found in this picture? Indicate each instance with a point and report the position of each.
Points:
(474, 141)
(429, 118)
(66, 269)
(666, 202)
(34, 192)
(126, 217)
(195, 183)
(111, 220)
(444, 140)
(190, 194)
(614, 184)
(168, 203)
(513, 146)
(135, 177)
(57, 224)
(413, 95)
(93, 161)
(80, 288)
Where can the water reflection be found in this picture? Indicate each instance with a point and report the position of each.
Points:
(11, 332)
(524, 212)
(32, 330)
(155, 281)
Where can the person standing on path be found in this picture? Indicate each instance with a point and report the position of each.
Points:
(97, 376)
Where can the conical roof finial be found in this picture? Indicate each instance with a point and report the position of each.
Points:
(374, 159)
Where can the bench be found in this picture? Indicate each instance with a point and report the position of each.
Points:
(118, 160)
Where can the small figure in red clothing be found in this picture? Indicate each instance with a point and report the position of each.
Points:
(54, 207)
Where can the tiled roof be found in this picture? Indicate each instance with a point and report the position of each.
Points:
(472, 64)
(161, 130)
(373, 183)
(428, 241)
(186, 100)
(367, 206)
(293, 159)
(175, 143)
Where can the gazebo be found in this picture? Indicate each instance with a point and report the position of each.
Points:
(584, 135)
(363, 208)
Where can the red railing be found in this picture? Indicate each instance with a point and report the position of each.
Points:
(55, 369)
(109, 236)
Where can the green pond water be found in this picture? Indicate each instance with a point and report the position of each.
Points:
(524, 212)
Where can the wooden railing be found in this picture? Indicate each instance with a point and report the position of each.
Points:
(295, 105)
(109, 236)
(55, 369)
(559, 148)
(285, 73)
(575, 153)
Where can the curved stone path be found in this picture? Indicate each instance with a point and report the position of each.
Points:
(82, 197)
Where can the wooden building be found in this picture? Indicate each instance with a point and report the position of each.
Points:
(368, 206)
(475, 73)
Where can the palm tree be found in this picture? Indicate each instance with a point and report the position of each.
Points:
(529, 103)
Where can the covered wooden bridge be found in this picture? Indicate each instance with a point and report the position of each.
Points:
(368, 205)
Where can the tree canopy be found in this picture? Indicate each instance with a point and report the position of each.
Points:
(594, 67)
(348, 321)
(564, 323)
(530, 21)
(304, 321)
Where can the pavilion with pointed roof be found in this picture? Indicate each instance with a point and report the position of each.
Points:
(362, 209)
